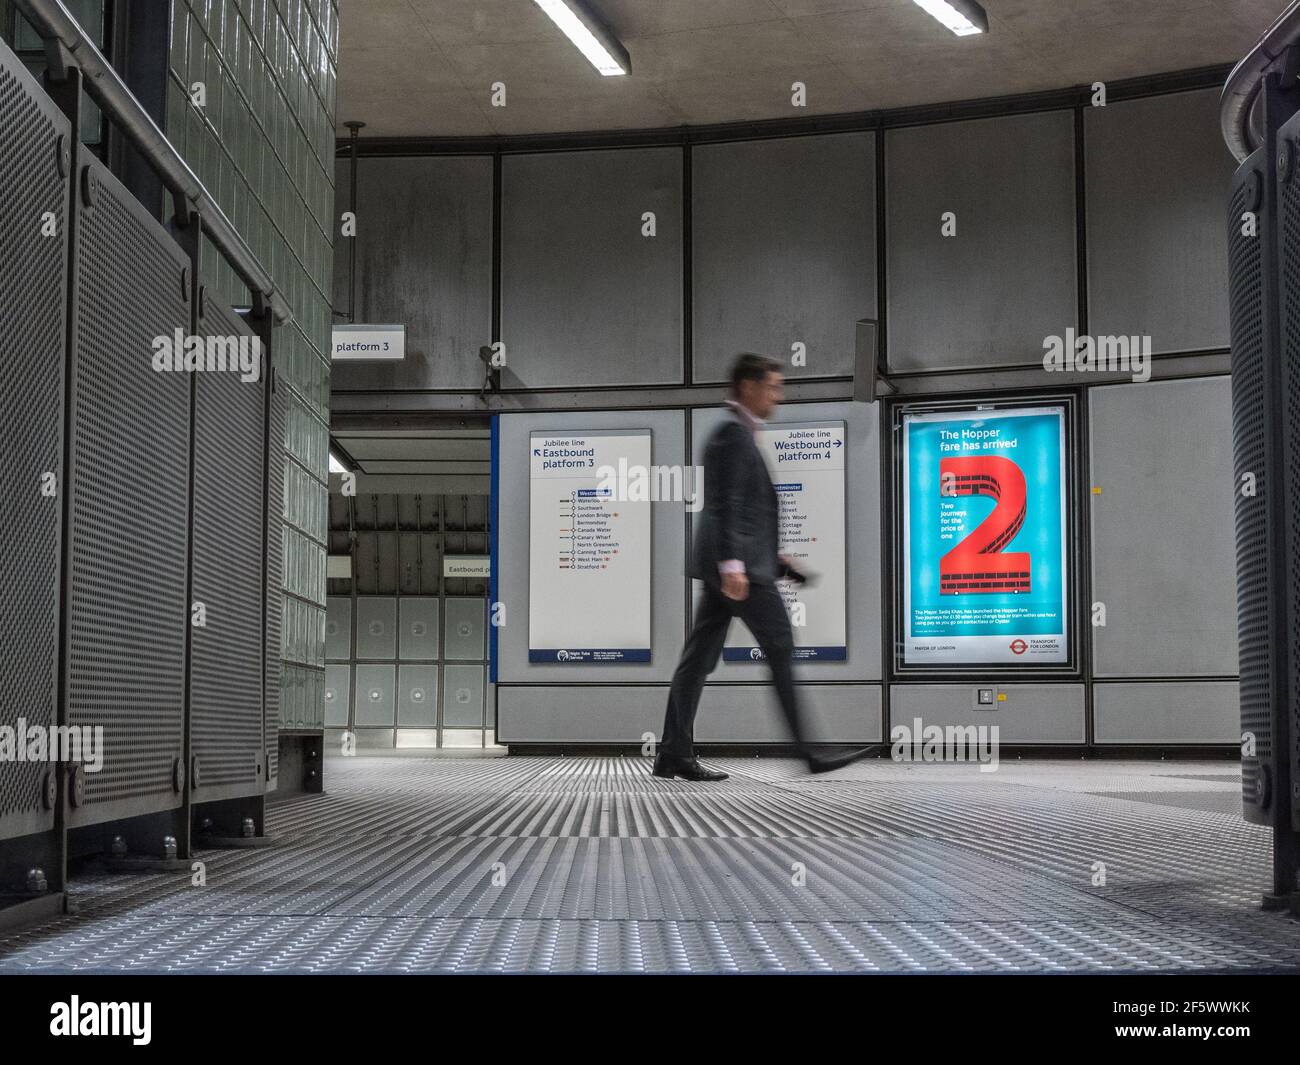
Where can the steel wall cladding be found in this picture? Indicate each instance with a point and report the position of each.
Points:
(33, 277)
(129, 506)
(1246, 294)
(275, 533)
(226, 683)
(1289, 515)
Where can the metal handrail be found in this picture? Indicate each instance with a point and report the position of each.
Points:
(54, 22)
(1241, 131)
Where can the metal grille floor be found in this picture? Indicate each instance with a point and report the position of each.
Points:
(591, 865)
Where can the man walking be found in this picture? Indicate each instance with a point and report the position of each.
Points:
(736, 555)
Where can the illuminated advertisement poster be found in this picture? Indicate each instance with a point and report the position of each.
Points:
(806, 461)
(589, 550)
(984, 537)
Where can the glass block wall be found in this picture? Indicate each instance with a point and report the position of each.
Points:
(263, 143)
(23, 39)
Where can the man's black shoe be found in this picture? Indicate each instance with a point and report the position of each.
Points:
(825, 761)
(668, 767)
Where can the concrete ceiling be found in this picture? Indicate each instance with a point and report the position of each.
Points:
(415, 461)
(417, 451)
(426, 67)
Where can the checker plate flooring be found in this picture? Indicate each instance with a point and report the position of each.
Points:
(589, 864)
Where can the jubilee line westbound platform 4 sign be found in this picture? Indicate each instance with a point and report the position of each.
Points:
(807, 464)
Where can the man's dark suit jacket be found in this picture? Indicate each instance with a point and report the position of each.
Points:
(739, 518)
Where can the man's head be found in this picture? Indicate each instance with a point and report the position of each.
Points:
(757, 384)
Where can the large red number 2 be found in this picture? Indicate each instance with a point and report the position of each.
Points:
(977, 564)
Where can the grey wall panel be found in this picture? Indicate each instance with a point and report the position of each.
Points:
(424, 259)
(418, 638)
(338, 692)
(585, 298)
(338, 628)
(417, 696)
(1163, 546)
(740, 714)
(991, 294)
(373, 699)
(783, 239)
(226, 681)
(33, 349)
(1030, 714)
(1157, 173)
(127, 535)
(861, 538)
(1198, 712)
(465, 634)
(667, 538)
(837, 713)
(462, 696)
(376, 627)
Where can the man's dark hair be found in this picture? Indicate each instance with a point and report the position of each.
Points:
(751, 367)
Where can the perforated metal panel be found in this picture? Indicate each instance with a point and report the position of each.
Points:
(338, 687)
(417, 696)
(376, 627)
(226, 690)
(373, 699)
(1289, 512)
(33, 292)
(418, 640)
(338, 628)
(1247, 325)
(129, 502)
(462, 697)
(465, 629)
(275, 532)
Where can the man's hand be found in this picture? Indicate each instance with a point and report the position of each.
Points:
(735, 586)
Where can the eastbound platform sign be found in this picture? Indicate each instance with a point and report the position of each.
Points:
(589, 551)
(808, 469)
(984, 537)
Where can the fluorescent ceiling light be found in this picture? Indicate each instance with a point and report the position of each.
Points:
(592, 37)
(336, 466)
(963, 17)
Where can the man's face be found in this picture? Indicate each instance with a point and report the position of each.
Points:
(761, 398)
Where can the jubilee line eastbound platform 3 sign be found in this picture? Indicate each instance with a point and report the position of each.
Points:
(589, 550)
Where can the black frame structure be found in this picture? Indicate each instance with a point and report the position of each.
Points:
(897, 669)
(1260, 120)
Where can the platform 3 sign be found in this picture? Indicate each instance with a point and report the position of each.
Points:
(807, 464)
(589, 551)
(984, 537)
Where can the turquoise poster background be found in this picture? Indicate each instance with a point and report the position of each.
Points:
(977, 592)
